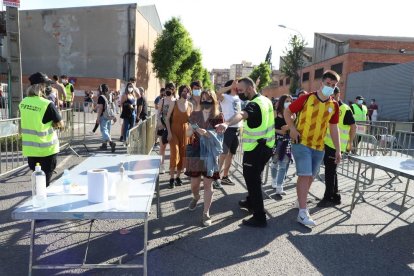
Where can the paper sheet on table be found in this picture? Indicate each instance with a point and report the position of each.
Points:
(74, 190)
(407, 164)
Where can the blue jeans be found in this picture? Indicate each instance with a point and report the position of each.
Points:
(105, 127)
(307, 160)
(279, 169)
(128, 124)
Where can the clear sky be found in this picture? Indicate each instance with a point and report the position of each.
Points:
(229, 31)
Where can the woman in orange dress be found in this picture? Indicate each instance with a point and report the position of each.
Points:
(177, 125)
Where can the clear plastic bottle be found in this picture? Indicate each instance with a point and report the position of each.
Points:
(122, 192)
(39, 194)
(66, 182)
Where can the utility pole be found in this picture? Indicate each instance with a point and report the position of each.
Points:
(14, 59)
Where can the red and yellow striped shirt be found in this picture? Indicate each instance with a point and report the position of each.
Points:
(313, 118)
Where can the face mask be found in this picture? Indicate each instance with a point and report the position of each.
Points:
(360, 102)
(130, 89)
(197, 92)
(206, 104)
(184, 95)
(372, 102)
(243, 97)
(64, 81)
(168, 93)
(286, 105)
(327, 91)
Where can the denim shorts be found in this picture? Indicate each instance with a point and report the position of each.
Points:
(307, 160)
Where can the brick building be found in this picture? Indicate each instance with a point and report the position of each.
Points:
(346, 54)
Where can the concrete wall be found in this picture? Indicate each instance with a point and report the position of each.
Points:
(325, 48)
(101, 42)
(82, 42)
(392, 87)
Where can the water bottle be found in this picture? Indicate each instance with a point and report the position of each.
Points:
(122, 193)
(38, 187)
(67, 181)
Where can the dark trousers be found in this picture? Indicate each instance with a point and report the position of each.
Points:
(331, 177)
(253, 164)
(48, 164)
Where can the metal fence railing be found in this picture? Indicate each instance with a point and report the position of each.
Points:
(11, 157)
(141, 137)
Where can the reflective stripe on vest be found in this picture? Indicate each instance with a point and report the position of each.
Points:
(37, 133)
(68, 92)
(343, 130)
(266, 130)
(38, 139)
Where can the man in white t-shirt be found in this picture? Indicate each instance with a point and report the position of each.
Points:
(230, 104)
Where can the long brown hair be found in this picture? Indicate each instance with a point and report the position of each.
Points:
(281, 103)
(215, 110)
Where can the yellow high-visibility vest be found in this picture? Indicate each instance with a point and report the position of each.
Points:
(343, 130)
(38, 139)
(266, 130)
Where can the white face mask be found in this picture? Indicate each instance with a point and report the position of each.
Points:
(360, 102)
(286, 105)
(64, 81)
(130, 89)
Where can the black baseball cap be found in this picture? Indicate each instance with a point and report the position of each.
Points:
(359, 97)
(39, 77)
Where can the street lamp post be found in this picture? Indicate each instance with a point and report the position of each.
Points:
(301, 56)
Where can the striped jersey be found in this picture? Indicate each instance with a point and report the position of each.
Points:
(313, 117)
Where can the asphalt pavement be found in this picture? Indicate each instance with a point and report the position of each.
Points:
(375, 240)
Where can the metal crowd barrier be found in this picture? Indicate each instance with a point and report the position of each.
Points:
(11, 156)
(141, 137)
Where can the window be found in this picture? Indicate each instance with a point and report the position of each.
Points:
(375, 65)
(287, 81)
(337, 68)
(305, 76)
(280, 82)
(318, 73)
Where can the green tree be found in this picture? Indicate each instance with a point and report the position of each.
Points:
(188, 67)
(172, 48)
(293, 62)
(263, 71)
(206, 79)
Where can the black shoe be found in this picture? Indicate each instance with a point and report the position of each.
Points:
(172, 183)
(121, 139)
(103, 146)
(226, 180)
(112, 146)
(178, 181)
(324, 203)
(245, 205)
(336, 199)
(254, 222)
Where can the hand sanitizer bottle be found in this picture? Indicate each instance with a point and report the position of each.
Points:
(122, 192)
(38, 187)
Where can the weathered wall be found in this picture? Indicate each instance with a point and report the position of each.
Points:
(82, 42)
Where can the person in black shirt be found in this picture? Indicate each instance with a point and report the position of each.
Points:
(254, 160)
(281, 151)
(142, 105)
(331, 196)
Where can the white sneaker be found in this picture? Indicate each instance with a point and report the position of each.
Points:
(279, 191)
(274, 184)
(162, 168)
(305, 219)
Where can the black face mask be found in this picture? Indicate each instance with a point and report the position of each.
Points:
(206, 104)
(243, 97)
(168, 93)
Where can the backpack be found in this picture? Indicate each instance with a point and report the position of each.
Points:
(108, 113)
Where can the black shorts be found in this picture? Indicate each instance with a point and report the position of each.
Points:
(231, 140)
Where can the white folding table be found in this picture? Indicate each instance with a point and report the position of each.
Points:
(143, 171)
(395, 165)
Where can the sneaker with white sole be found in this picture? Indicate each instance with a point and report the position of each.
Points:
(193, 203)
(279, 191)
(206, 220)
(305, 218)
(227, 180)
(162, 168)
(274, 184)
